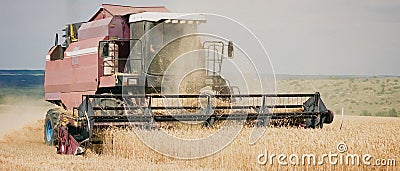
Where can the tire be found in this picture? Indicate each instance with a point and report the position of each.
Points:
(317, 122)
(329, 117)
(50, 127)
(309, 123)
(322, 121)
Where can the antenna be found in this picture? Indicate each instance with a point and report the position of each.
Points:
(341, 124)
(56, 40)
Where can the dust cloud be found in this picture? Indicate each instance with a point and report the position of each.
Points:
(16, 112)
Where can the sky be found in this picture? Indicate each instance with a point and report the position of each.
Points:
(306, 37)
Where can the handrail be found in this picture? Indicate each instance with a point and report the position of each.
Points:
(114, 59)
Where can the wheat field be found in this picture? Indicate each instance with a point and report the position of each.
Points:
(22, 146)
(378, 136)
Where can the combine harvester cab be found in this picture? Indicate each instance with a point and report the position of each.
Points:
(107, 73)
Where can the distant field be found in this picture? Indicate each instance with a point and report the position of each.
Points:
(21, 98)
(17, 86)
(358, 96)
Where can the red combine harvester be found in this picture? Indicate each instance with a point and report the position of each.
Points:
(109, 71)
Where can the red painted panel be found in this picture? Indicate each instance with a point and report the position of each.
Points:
(113, 27)
(107, 81)
(53, 96)
(75, 75)
(100, 14)
(83, 44)
(93, 29)
(109, 10)
(118, 28)
(124, 10)
(74, 99)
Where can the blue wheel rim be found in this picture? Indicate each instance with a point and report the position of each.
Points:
(49, 131)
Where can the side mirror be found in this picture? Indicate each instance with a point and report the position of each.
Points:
(230, 49)
(104, 49)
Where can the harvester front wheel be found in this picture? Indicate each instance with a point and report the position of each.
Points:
(50, 127)
(310, 123)
(317, 122)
